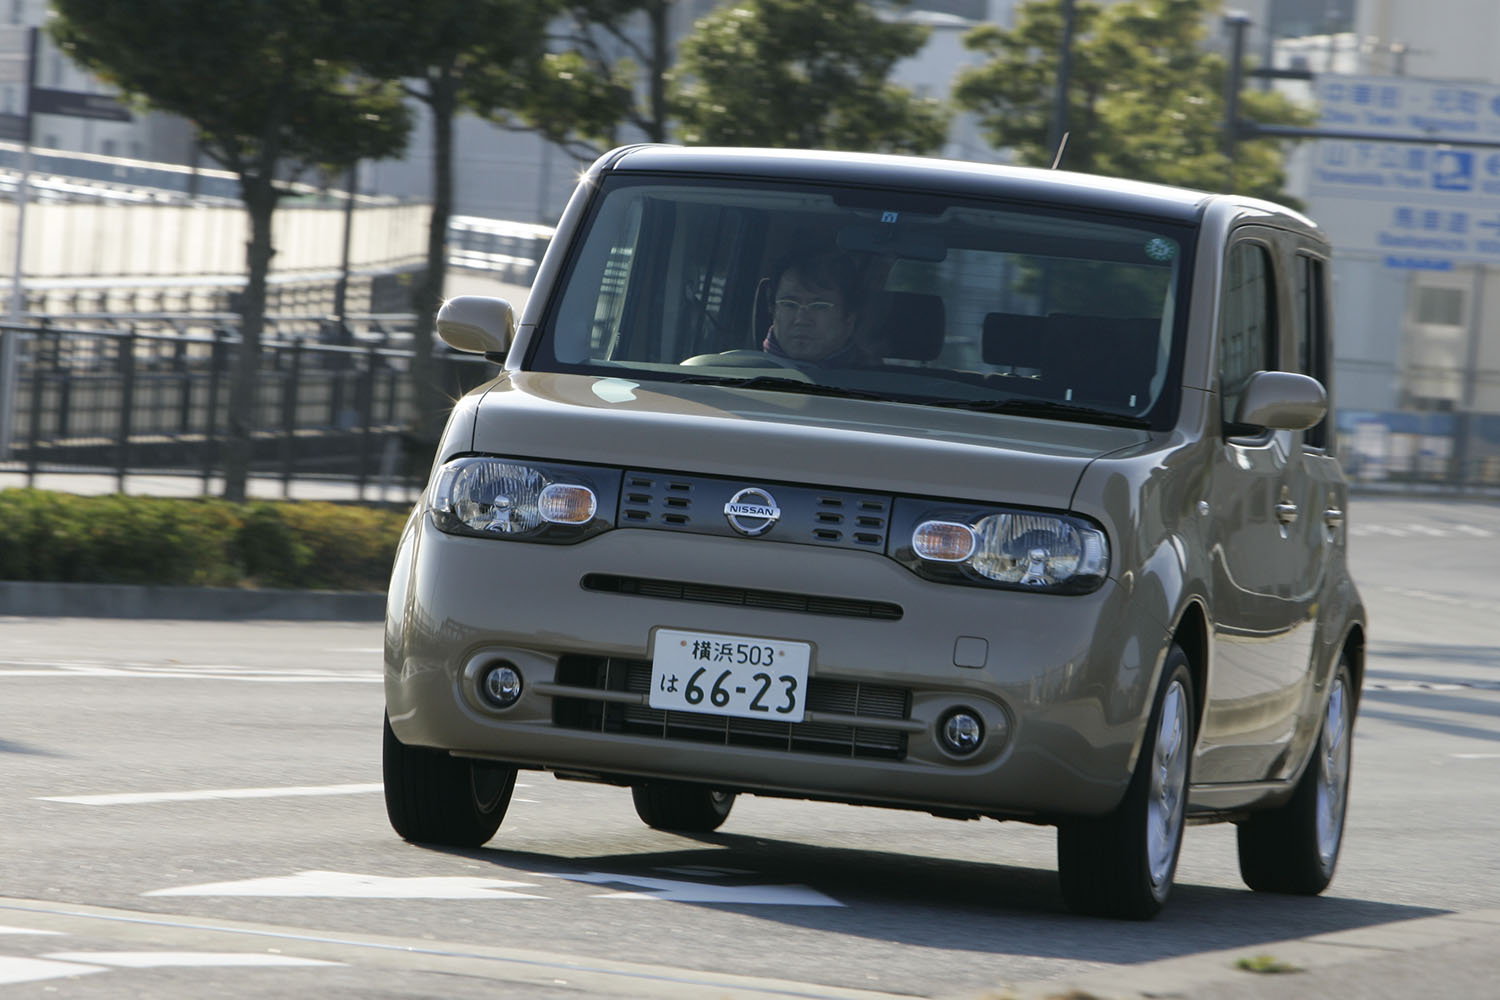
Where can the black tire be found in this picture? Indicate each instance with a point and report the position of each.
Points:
(434, 798)
(673, 805)
(1121, 864)
(1294, 848)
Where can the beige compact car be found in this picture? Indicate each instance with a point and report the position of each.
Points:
(980, 491)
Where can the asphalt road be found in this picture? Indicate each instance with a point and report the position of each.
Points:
(193, 809)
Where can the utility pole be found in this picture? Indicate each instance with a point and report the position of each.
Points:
(1237, 22)
(1059, 126)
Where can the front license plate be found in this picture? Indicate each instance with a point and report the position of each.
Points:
(729, 675)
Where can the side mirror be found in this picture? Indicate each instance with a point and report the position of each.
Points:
(477, 324)
(1280, 401)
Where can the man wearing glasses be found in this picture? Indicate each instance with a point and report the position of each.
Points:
(811, 316)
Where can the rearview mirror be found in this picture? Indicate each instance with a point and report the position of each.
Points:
(893, 240)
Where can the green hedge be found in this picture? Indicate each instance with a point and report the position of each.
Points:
(66, 538)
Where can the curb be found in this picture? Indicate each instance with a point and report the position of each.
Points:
(109, 600)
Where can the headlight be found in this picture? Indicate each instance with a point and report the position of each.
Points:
(501, 498)
(1023, 549)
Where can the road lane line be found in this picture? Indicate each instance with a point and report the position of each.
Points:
(137, 798)
(182, 671)
(183, 959)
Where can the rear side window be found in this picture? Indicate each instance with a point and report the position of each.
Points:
(1312, 334)
(1247, 322)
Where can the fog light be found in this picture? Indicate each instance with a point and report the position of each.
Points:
(961, 732)
(501, 685)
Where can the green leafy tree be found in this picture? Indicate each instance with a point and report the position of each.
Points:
(452, 55)
(1145, 100)
(607, 65)
(270, 88)
(801, 74)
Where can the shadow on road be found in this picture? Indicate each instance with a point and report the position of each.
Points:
(959, 904)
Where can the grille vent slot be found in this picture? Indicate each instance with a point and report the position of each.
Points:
(774, 600)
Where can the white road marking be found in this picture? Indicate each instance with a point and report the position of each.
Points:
(182, 671)
(29, 970)
(136, 798)
(1476, 756)
(341, 885)
(345, 885)
(1428, 595)
(1424, 530)
(182, 959)
(1376, 529)
(675, 891)
(22, 930)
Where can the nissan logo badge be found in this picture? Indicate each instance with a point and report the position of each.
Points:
(752, 511)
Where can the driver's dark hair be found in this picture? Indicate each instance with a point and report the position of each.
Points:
(821, 269)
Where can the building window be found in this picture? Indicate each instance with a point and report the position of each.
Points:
(1440, 306)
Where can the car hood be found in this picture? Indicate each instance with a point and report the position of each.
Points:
(769, 436)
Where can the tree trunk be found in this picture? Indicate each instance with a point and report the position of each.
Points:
(430, 402)
(260, 202)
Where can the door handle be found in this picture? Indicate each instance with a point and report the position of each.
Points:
(1333, 517)
(1286, 512)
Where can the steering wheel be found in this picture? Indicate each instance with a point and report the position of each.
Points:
(741, 358)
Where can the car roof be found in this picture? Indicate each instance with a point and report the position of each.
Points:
(1060, 187)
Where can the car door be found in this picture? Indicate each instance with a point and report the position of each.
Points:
(1266, 504)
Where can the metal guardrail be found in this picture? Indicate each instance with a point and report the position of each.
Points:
(126, 401)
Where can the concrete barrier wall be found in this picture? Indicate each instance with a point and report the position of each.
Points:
(77, 240)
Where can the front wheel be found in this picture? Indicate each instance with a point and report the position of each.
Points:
(672, 805)
(1294, 848)
(1121, 864)
(432, 797)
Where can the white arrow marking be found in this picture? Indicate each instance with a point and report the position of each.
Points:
(29, 970)
(676, 891)
(341, 885)
(182, 959)
(135, 798)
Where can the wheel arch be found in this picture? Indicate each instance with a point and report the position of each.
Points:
(1191, 633)
(1354, 650)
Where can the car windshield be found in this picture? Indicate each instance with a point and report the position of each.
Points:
(875, 294)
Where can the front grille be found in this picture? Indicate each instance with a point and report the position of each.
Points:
(775, 600)
(874, 702)
(695, 504)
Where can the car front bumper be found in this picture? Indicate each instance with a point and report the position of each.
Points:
(1062, 683)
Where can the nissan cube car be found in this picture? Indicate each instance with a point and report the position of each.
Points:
(982, 491)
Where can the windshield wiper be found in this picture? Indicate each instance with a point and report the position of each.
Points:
(1043, 408)
(777, 383)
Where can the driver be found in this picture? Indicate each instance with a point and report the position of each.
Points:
(812, 318)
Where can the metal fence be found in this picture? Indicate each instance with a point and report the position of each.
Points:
(137, 394)
(129, 400)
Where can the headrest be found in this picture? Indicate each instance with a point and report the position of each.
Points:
(1013, 339)
(914, 327)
